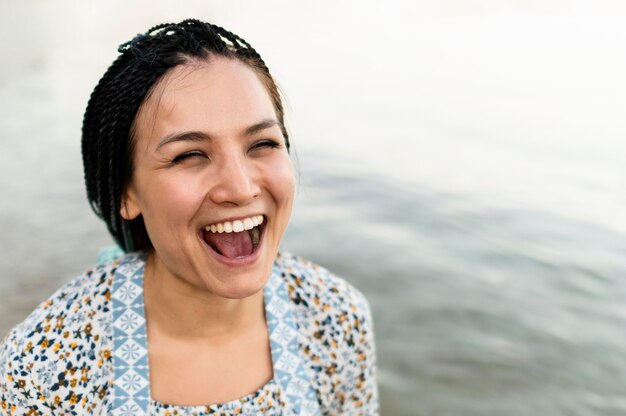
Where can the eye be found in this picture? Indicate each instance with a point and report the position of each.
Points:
(265, 144)
(187, 155)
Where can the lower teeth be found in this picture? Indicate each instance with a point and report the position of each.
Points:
(254, 235)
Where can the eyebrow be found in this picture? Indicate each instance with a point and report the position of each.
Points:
(198, 136)
(255, 128)
(192, 136)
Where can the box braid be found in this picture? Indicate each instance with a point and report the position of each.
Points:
(108, 124)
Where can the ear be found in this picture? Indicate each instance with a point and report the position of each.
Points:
(130, 208)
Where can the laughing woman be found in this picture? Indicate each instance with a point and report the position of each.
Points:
(186, 160)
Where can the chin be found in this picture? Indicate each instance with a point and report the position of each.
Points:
(243, 289)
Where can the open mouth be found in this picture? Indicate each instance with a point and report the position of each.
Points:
(235, 239)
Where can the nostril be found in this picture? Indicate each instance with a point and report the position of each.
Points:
(234, 186)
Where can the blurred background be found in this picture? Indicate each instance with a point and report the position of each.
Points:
(461, 162)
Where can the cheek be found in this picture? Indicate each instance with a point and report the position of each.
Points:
(171, 197)
(281, 183)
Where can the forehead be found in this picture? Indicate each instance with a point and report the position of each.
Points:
(218, 96)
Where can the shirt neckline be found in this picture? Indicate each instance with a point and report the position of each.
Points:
(131, 385)
(231, 405)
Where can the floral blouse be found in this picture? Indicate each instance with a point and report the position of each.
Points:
(84, 350)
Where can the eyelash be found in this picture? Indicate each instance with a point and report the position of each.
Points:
(186, 155)
(269, 143)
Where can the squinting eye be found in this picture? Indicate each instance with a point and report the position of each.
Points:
(186, 156)
(265, 143)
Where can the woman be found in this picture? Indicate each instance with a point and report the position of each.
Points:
(186, 160)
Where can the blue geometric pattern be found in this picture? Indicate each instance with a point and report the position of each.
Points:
(284, 342)
(131, 392)
(131, 383)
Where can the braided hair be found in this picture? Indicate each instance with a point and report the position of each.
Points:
(108, 124)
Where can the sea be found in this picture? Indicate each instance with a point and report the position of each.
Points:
(463, 165)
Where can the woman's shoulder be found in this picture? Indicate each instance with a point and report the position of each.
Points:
(328, 310)
(319, 290)
(335, 319)
(54, 352)
(70, 304)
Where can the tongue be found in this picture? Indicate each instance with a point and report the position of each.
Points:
(231, 245)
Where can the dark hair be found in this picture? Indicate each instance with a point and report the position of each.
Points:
(108, 124)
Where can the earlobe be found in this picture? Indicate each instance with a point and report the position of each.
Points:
(129, 209)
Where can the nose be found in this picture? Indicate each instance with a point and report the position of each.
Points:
(234, 182)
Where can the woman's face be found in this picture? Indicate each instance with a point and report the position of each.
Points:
(209, 152)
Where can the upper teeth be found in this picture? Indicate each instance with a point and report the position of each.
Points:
(236, 226)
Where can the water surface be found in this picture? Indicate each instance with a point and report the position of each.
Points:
(464, 170)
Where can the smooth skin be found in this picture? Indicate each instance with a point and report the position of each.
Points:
(208, 149)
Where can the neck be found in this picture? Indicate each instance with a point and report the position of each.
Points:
(175, 307)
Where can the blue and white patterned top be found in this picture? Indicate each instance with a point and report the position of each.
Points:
(84, 351)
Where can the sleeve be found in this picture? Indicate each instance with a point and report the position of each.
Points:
(19, 392)
(12, 377)
(359, 389)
